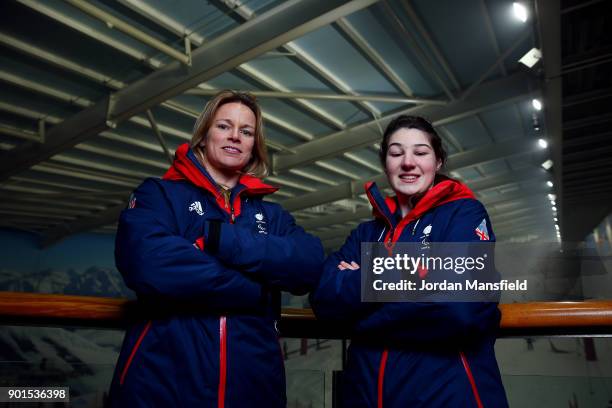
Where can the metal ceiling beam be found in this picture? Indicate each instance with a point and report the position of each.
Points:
(5, 206)
(537, 210)
(47, 8)
(265, 32)
(373, 56)
(98, 197)
(549, 27)
(491, 32)
(80, 101)
(518, 176)
(587, 121)
(465, 159)
(343, 232)
(430, 42)
(130, 30)
(366, 211)
(517, 203)
(586, 97)
(82, 174)
(242, 11)
(520, 227)
(116, 154)
(52, 200)
(91, 74)
(499, 61)
(307, 107)
(160, 137)
(578, 6)
(329, 96)
(130, 157)
(36, 214)
(491, 152)
(488, 96)
(414, 46)
(54, 235)
(163, 20)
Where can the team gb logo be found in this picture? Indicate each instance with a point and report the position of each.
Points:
(261, 224)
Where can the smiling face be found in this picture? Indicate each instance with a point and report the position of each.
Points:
(229, 143)
(411, 163)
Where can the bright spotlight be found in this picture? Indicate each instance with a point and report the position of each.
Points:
(542, 143)
(520, 12)
(547, 164)
(537, 105)
(531, 57)
(549, 183)
(554, 208)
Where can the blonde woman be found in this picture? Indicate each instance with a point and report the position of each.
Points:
(209, 257)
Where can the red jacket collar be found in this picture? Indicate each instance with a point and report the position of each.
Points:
(184, 168)
(443, 192)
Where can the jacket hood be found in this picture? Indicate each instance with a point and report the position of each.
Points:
(443, 192)
(187, 167)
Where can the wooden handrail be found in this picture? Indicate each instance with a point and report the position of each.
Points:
(518, 319)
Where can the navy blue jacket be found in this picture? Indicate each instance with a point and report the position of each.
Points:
(213, 302)
(415, 354)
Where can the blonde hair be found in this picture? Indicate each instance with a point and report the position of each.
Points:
(258, 165)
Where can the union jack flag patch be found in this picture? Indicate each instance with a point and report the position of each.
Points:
(132, 201)
(481, 231)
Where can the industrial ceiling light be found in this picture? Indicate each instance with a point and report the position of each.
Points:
(537, 105)
(549, 183)
(542, 143)
(555, 219)
(554, 208)
(520, 12)
(553, 202)
(531, 58)
(547, 164)
(552, 197)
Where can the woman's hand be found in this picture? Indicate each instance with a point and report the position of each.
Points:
(345, 265)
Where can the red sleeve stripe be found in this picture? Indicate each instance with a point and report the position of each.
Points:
(381, 377)
(468, 371)
(131, 357)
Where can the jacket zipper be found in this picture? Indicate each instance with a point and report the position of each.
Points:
(223, 332)
(144, 332)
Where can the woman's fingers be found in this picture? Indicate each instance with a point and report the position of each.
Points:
(345, 265)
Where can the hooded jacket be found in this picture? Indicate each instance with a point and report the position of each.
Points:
(414, 354)
(208, 273)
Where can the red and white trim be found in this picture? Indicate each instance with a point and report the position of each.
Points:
(381, 377)
(468, 371)
(133, 353)
(222, 361)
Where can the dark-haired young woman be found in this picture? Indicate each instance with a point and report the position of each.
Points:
(414, 354)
